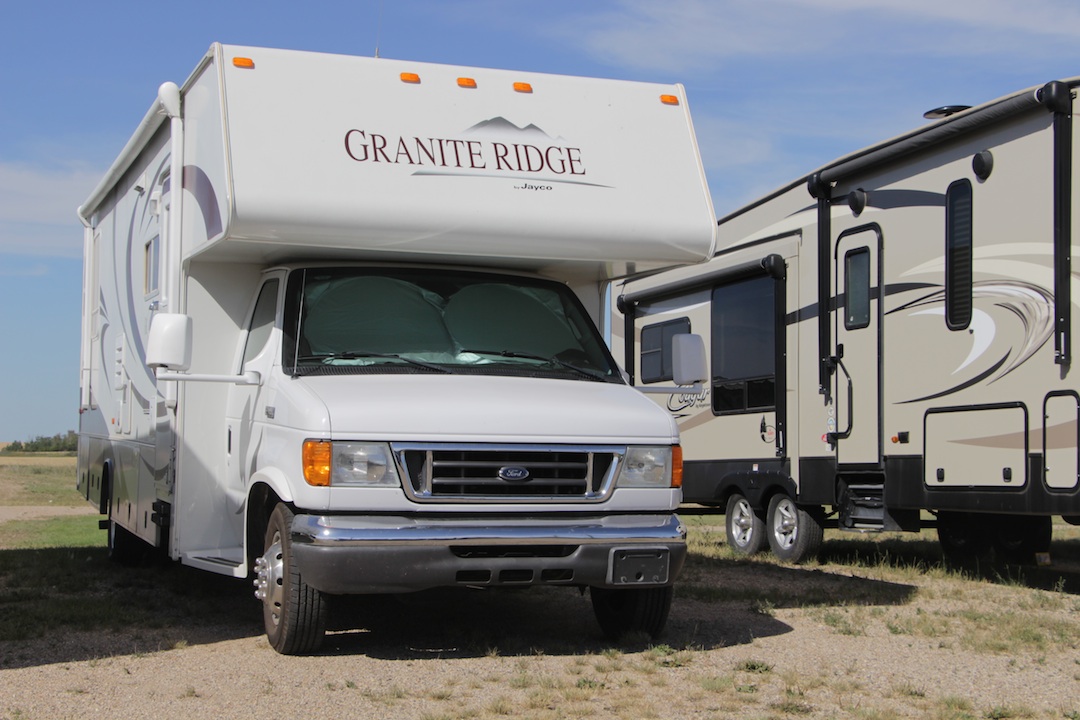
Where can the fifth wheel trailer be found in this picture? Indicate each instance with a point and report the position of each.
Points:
(889, 335)
(339, 332)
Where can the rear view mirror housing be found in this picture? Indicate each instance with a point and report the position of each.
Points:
(169, 345)
(689, 367)
(689, 363)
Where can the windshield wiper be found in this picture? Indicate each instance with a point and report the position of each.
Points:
(592, 375)
(359, 354)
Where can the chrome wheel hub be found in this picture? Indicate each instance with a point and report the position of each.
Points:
(785, 524)
(742, 523)
(269, 579)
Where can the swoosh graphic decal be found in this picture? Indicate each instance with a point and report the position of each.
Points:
(973, 381)
(198, 183)
(983, 332)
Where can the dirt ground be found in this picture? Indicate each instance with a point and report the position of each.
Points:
(744, 640)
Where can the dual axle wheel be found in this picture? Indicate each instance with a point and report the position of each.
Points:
(792, 533)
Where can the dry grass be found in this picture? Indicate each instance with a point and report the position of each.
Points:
(877, 629)
(38, 479)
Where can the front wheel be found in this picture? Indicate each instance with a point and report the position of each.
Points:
(294, 613)
(745, 528)
(795, 535)
(622, 611)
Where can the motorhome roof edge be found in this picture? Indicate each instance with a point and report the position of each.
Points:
(919, 139)
(153, 120)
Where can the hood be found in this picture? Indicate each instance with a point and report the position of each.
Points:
(456, 408)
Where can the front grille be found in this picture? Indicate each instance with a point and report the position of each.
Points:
(480, 473)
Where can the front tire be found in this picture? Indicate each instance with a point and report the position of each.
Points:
(795, 535)
(294, 613)
(631, 610)
(745, 528)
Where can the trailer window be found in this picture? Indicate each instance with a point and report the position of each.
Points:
(656, 361)
(150, 266)
(744, 346)
(857, 288)
(958, 251)
(262, 320)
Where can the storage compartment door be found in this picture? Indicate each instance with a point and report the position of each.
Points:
(1060, 428)
(983, 447)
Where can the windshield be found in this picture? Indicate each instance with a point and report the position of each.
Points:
(377, 320)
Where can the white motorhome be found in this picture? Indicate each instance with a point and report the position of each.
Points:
(896, 340)
(339, 332)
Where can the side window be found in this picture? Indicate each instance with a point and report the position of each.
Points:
(857, 288)
(958, 222)
(151, 266)
(656, 348)
(262, 320)
(744, 346)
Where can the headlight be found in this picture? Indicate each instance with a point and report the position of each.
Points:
(646, 467)
(349, 464)
(363, 464)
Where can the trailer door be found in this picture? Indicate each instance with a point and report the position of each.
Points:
(857, 384)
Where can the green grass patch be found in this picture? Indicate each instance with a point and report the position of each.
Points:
(80, 531)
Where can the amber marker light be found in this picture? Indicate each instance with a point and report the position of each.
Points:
(410, 78)
(316, 459)
(669, 99)
(243, 62)
(676, 466)
(466, 82)
(523, 87)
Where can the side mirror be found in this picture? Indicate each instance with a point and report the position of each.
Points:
(169, 345)
(689, 365)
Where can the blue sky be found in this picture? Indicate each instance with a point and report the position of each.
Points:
(776, 88)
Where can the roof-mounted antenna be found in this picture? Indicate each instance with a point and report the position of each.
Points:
(378, 29)
(945, 111)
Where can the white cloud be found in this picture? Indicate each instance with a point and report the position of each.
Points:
(1049, 18)
(37, 209)
(695, 36)
(17, 267)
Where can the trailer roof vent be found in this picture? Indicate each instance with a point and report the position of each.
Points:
(945, 111)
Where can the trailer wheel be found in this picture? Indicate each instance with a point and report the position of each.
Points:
(125, 547)
(622, 611)
(795, 534)
(293, 612)
(745, 528)
(965, 541)
(1018, 538)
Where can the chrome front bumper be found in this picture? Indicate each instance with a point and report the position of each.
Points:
(375, 554)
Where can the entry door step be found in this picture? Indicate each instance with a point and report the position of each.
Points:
(863, 507)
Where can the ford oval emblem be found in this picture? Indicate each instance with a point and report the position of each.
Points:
(514, 473)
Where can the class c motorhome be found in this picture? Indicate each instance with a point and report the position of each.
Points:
(890, 335)
(339, 332)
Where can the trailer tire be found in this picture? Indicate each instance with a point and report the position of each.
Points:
(622, 611)
(1018, 538)
(294, 613)
(745, 528)
(966, 543)
(795, 534)
(125, 547)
